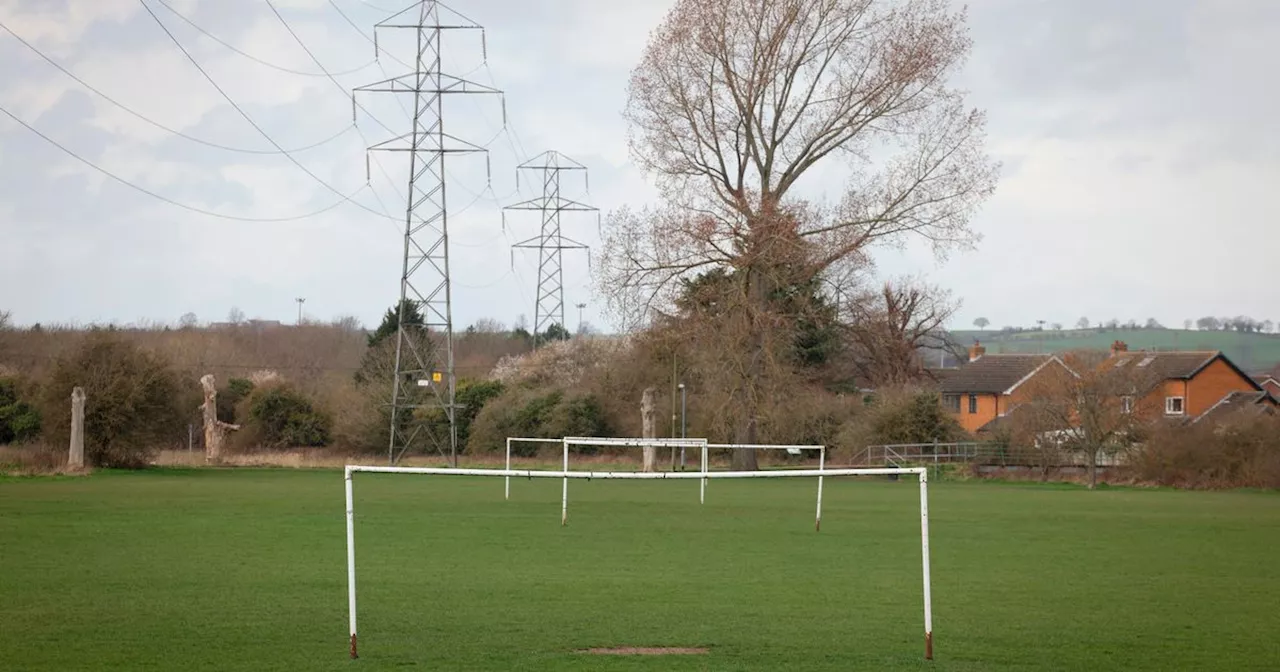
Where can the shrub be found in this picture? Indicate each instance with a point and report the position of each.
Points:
(19, 420)
(536, 414)
(281, 417)
(895, 416)
(914, 417)
(134, 401)
(472, 396)
(1243, 452)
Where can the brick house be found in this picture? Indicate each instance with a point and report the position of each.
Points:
(1269, 383)
(990, 386)
(1187, 383)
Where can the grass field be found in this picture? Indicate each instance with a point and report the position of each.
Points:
(245, 570)
(1253, 352)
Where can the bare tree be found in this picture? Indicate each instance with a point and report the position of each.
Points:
(235, 316)
(891, 328)
(1082, 323)
(188, 321)
(735, 102)
(5, 318)
(1092, 406)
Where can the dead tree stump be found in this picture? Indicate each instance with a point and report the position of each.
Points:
(648, 430)
(75, 459)
(215, 430)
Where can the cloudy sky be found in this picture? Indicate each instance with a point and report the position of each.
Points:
(1140, 142)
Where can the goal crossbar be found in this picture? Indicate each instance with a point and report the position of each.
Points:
(921, 472)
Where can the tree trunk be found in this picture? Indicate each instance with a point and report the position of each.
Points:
(746, 429)
(75, 460)
(648, 430)
(745, 460)
(1093, 468)
(215, 431)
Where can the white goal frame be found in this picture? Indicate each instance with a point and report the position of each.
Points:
(921, 472)
(822, 463)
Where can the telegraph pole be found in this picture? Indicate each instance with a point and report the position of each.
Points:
(548, 308)
(424, 367)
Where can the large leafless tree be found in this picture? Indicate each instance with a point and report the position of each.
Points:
(744, 110)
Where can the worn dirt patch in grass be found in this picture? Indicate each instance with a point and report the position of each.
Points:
(646, 651)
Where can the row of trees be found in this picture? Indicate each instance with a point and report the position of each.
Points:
(1242, 323)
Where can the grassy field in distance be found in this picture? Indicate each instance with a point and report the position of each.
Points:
(1252, 352)
(204, 569)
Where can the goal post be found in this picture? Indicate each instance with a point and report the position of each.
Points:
(626, 443)
(921, 472)
(521, 439)
(822, 462)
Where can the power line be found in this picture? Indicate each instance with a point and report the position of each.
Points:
(166, 199)
(325, 71)
(154, 123)
(249, 56)
(249, 119)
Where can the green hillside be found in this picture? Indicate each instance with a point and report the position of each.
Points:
(1252, 352)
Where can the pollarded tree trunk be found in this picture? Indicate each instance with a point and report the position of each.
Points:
(648, 430)
(215, 431)
(75, 459)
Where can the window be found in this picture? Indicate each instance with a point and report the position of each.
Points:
(951, 402)
(973, 404)
(1173, 406)
(1126, 405)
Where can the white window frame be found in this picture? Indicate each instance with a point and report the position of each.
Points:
(1168, 406)
(1126, 404)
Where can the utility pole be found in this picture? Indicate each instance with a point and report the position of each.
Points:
(300, 301)
(424, 278)
(580, 307)
(548, 307)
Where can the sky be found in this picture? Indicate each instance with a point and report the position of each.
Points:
(1139, 143)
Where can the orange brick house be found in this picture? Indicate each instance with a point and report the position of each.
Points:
(1269, 383)
(990, 386)
(1187, 383)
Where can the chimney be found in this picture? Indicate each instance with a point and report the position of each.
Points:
(1119, 347)
(976, 351)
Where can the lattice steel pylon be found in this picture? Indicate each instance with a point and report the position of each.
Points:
(425, 282)
(548, 307)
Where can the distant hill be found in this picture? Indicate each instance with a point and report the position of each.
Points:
(1252, 352)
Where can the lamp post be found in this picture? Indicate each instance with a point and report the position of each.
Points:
(682, 424)
(300, 301)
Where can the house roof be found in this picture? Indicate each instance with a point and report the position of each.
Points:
(994, 374)
(1237, 402)
(1264, 378)
(1176, 365)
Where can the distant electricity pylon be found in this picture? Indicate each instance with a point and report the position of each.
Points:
(548, 307)
(424, 280)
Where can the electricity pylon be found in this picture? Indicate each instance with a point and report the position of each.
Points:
(548, 307)
(424, 280)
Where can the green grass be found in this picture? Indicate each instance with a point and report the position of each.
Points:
(1252, 352)
(245, 570)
